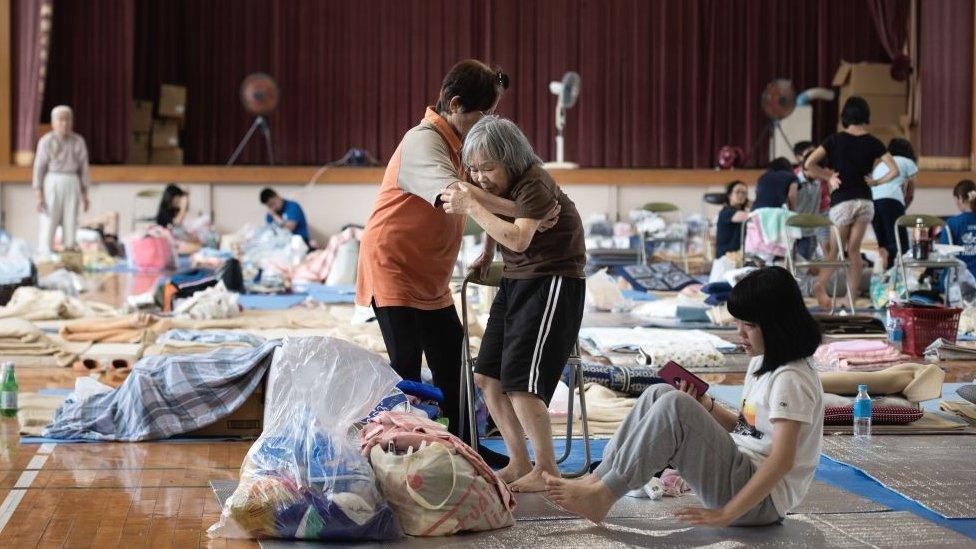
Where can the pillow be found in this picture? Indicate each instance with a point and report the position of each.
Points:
(880, 415)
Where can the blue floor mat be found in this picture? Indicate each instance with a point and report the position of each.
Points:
(343, 293)
(270, 302)
(576, 458)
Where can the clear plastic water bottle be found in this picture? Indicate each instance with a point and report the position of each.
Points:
(896, 333)
(862, 415)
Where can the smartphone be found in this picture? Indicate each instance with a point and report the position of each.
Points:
(673, 373)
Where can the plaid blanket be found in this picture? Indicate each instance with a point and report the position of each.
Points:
(166, 396)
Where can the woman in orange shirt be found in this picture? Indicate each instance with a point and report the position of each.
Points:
(410, 245)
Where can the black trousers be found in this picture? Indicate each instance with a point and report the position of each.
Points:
(410, 333)
(886, 211)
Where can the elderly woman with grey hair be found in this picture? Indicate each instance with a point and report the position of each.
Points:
(535, 318)
(60, 180)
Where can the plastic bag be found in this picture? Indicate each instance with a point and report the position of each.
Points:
(603, 294)
(304, 478)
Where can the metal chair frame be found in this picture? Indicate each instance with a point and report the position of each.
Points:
(930, 221)
(467, 379)
(813, 221)
(660, 208)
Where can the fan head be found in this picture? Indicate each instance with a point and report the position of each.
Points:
(259, 94)
(778, 99)
(570, 89)
(729, 157)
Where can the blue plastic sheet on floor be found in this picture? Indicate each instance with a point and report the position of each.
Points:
(848, 478)
(576, 458)
(270, 302)
(637, 295)
(174, 440)
(343, 293)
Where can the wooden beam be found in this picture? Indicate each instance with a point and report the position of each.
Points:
(300, 175)
(6, 83)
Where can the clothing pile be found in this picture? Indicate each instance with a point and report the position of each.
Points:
(866, 355)
(340, 253)
(20, 338)
(31, 303)
(214, 303)
(15, 263)
(718, 292)
(423, 396)
(690, 348)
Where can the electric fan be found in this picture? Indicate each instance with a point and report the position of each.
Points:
(259, 95)
(566, 92)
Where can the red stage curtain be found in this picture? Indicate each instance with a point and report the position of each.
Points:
(31, 38)
(664, 84)
(90, 69)
(945, 77)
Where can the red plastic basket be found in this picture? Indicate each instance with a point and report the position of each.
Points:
(923, 325)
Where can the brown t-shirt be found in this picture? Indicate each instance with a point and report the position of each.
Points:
(560, 251)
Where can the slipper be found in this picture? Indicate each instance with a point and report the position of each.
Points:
(86, 365)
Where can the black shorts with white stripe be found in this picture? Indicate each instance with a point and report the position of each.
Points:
(531, 331)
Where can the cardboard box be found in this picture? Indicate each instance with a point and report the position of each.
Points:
(142, 116)
(172, 101)
(885, 109)
(246, 421)
(887, 97)
(139, 149)
(173, 156)
(165, 134)
(868, 78)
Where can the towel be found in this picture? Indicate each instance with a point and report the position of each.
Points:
(766, 235)
(857, 354)
(916, 382)
(138, 328)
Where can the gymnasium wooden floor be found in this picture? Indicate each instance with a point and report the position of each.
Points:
(127, 494)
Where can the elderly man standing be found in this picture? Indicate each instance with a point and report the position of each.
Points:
(60, 180)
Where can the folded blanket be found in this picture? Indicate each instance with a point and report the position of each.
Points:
(30, 303)
(965, 410)
(192, 342)
(916, 382)
(857, 354)
(138, 328)
(19, 337)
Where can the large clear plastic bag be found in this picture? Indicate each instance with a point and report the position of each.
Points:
(305, 478)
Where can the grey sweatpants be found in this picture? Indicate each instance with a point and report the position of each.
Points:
(670, 428)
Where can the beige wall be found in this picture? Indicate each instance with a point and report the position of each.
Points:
(329, 207)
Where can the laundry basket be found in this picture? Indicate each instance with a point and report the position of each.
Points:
(923, 325)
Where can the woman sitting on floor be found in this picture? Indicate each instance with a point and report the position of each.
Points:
(535, 318)
(750, 468)
(173, 207)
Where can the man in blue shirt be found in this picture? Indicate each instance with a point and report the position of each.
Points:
(285, 213)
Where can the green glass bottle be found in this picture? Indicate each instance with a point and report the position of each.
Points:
(8, 391)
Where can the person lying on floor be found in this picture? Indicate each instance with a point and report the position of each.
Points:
(535, 318)
(750, 468)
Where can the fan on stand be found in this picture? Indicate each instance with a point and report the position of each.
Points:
(778, 101)
(259, 94)
(566, 92)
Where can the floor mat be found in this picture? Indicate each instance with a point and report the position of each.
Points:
(853, 529)
(936, 471)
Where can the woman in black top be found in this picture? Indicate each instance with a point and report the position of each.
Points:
(728, 228)
(851, 156)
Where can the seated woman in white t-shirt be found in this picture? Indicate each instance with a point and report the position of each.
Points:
(749, 468)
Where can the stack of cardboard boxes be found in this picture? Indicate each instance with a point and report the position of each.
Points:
(166, 128)
(887, 97)
(157, 141)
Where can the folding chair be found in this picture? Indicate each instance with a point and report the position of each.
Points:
(928, 221)
(661, 208)
(715, 199)
(814, 221)
(493, 278)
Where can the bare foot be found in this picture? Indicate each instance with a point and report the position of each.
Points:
(512, 472)
(531, 482)
(586, 497)
(822, 298)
